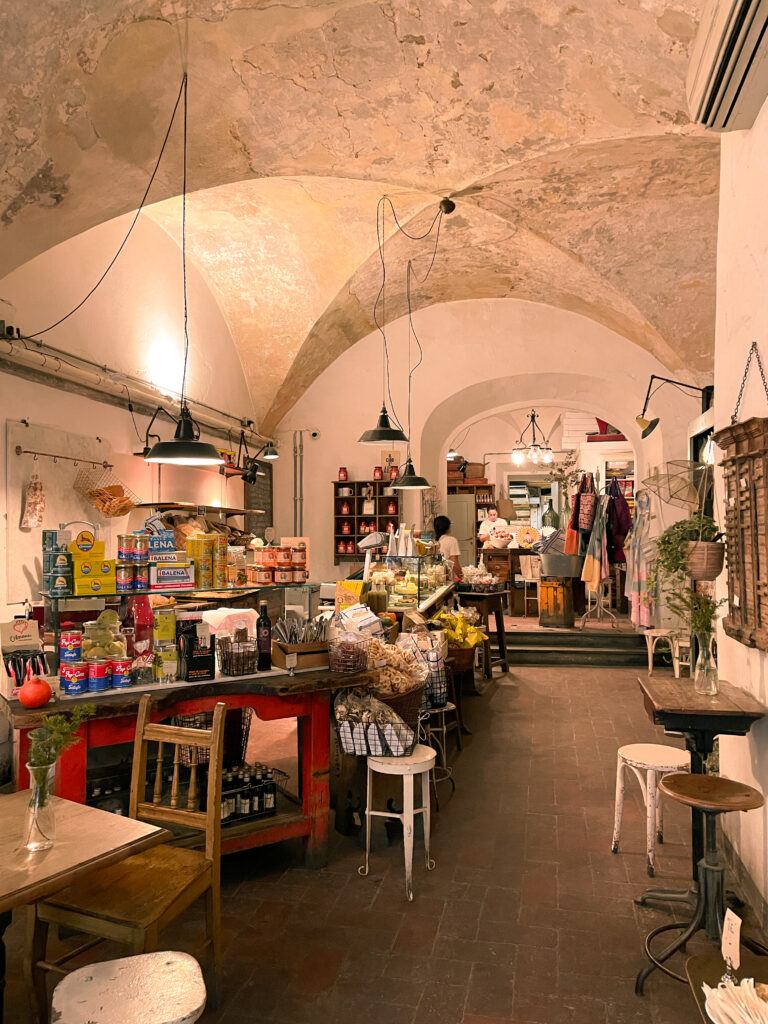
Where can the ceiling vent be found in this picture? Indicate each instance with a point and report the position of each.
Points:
(727, 79)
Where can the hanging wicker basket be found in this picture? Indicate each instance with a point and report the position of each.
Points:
(705, 559)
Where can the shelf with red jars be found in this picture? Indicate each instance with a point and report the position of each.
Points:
(360, 507)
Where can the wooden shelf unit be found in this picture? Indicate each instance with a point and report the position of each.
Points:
(356, 516)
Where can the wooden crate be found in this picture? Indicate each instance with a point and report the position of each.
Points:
(556, 602)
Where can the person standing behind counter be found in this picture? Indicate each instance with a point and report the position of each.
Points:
(449, 546)
(490, 524)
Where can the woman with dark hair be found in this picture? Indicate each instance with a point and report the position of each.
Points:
(449, 546)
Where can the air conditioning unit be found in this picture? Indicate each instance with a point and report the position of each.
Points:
(727, 79)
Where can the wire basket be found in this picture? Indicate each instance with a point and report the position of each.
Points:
(406, 705)
(105, 492)
(237, 657)
(200, 720)
(347, 655)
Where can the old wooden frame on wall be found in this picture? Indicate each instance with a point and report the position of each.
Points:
(745, 472)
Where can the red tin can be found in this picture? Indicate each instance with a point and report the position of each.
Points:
(122, 676)
(70, 646)
(73, 677)
(99, 675)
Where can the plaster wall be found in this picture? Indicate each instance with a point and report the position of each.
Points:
(742, 316)
(73, 414)
(133, 322)
(482, 358)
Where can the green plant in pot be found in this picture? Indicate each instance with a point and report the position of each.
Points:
(46, 743)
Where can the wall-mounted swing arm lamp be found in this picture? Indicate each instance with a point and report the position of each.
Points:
(250, 466)
(648, 426)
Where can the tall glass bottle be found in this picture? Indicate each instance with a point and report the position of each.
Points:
(264, 639)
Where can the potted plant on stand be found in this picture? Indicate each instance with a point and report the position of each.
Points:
(57, 733)
(688, 551)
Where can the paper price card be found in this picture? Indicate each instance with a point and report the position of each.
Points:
(731, 942)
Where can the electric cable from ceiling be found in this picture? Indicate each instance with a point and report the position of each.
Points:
(182, 91)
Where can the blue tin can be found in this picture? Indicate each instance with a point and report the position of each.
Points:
(99, 675)
(74, 677)
(122, 677)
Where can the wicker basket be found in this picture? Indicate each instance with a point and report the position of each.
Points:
(705, 559)
(406, 705)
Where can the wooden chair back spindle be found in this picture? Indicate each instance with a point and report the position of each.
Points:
(211, 739)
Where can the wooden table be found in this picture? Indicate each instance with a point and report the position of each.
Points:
(86, 838)
(486, 605)
(273, 695)
(709, 968)
(674, 704)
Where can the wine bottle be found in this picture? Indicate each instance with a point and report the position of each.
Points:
(264, 639)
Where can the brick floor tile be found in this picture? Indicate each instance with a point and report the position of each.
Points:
(491, 990)
(441, 1004)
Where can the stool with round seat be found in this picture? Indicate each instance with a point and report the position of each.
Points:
(153, 988)
(649, 762)
(420, 762)
(712, 795)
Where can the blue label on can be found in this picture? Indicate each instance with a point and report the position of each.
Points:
(77, 686)
(97, 684)
(121, 679)
(122, 586)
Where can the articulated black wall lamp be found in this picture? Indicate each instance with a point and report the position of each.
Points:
(648, 426)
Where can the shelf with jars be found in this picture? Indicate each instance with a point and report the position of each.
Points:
(361, 507)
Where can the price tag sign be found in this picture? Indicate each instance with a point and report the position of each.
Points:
(731, 943)
(291, 660)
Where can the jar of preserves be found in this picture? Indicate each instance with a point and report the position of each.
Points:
(265, 575)
(343, 474)
(341, 547)
(391, 507)
(345, 508)
(346, 526)
(283, 557)
(350, 547)
(394, 472)
(378, 473)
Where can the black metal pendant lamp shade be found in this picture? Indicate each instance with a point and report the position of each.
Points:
(409, 480)
(185, 448)
(383, 432)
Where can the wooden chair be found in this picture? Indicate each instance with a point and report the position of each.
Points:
(133, 901)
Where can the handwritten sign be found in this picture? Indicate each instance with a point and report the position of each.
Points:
(731, 942)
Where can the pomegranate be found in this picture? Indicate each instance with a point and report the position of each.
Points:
(35, 692)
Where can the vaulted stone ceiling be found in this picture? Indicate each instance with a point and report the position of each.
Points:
(561, 129)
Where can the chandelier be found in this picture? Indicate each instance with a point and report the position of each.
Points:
(536, 450)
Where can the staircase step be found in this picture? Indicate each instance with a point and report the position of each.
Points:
(561, 655)
(576, 639)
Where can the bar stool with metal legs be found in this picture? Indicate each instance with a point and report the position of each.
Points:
(420, 762)
(711, 795)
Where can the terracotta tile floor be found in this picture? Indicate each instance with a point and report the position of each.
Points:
(527, 918)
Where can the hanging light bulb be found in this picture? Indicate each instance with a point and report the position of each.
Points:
(547, 455)
(451, 454)
(534, 452)
(518, 456)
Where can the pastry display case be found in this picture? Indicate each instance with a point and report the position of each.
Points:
(410, 580)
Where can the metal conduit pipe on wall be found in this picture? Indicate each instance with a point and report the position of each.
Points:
(107, 383)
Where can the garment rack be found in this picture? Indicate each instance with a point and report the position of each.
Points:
(65, 458)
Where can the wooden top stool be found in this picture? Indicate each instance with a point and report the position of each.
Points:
(152, 988)
(712, 795)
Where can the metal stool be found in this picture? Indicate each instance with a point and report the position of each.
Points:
(649, 762)
(711, 795)
(652, 637)
(682, 653)
(420, 762)
(436, 736)
(161, 988)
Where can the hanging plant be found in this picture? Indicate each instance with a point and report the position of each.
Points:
(675, 546)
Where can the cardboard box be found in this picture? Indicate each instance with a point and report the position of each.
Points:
(96, 585)
(85, 568)
(85, 544)
(172, 575)
(20, 636)
(299, 656)
(197, 653)
(161, 543)
(349, 592)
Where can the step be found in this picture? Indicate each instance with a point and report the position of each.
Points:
(558, 655)
(575, 638)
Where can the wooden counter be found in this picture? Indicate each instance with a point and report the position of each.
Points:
(273, 695)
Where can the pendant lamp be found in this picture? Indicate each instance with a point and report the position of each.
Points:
(409, 480)
(185, 448)
(383, 432)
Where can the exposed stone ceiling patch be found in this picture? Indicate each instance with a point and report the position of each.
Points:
(563, 126)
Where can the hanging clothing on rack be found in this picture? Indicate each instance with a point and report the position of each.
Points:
(639, 551)
(619, 524)
(596, 565)
(583, 504)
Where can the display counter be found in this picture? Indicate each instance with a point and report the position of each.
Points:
(273, 695)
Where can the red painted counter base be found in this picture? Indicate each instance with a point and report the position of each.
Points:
(305, 696)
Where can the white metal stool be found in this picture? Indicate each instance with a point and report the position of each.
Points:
(649, 762)
(151, 988)
(652, 637)
(420, 762)
(528, 600)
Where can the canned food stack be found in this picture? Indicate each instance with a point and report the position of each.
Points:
(220, 560)
(94, 660)
(132, 572)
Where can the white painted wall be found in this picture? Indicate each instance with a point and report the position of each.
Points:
(541, 357)
(65, 412)
(742, 316)
(133, 323)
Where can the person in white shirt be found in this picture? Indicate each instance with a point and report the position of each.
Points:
(449, 546)
(490, 524)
